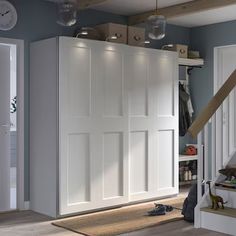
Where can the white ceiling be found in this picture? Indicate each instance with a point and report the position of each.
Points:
(132, 7)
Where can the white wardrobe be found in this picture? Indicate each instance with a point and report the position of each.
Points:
(103, 125)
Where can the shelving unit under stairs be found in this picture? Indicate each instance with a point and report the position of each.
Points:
(189, 64)
(187, 175)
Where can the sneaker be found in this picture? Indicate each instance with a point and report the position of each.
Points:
(168, 207)
(157, 211)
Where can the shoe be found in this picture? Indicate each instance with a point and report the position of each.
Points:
(168, 207)
(157, 211)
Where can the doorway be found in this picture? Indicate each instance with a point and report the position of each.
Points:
(224, 65)
(11, 125)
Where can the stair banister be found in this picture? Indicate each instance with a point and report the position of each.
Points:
(200, 129)
(213, 105)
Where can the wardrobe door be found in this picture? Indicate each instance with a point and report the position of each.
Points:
(111, 114)
(163, 89)
(76, 134)
(153, 106)
(93, 126)
(140, 153)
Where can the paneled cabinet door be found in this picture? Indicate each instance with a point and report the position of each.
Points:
(153, 106)
(164, 110)
(93, 126)
(111, 124)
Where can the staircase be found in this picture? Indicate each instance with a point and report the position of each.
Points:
(221, 220)
(215, 153)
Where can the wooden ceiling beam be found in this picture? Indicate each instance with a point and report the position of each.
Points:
(182, 9)
(88, 3)
(81, 4)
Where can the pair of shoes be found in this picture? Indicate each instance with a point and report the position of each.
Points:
(168, 207)
(157, 211)
(160, 209)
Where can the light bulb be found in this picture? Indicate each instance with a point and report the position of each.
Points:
(84, 33)
(156, 27)
(67, 14)
(114, 37)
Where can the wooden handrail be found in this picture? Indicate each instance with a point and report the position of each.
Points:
(212, 106)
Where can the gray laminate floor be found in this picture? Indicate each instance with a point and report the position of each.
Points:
(28, 223)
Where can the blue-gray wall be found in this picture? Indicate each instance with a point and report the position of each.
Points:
(204, 39)
(174, 35)
(37, 20)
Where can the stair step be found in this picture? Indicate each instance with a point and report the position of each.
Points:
(231, 212)
(226, 189)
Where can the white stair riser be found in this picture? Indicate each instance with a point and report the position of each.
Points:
(219, 223)
(228, 196)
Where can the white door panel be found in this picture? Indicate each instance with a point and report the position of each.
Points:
(153, 106)
(4, 128)
(98, 123)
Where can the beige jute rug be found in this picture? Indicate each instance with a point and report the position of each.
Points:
(121, 220)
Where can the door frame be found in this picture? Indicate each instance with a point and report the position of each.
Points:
(20, 204)
(218, 138)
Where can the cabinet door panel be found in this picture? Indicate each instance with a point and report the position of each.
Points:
(79, 81)
(111, 125)
(113, 165)
(93, 126)
(138, 163)
(153, 106)
(137, 75)
(166, 159)
(78, 168)
(75, 120)
(112, 83)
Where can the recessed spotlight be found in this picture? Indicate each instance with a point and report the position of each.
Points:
(84, 32)
(114, 37)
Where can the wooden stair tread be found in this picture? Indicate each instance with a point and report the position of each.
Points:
(226, 189)
(230, 212)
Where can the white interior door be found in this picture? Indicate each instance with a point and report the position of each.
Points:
(4, 128)
(225, 64)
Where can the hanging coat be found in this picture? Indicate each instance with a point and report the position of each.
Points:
(184, 116)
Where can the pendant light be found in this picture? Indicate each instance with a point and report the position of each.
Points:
(67, 13)
(156, 25)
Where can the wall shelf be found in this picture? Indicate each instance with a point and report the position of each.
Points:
(187, 157)
(191, 62)
(189, 182)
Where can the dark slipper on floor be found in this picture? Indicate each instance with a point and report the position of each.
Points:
(157, 211)
(168, 207)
